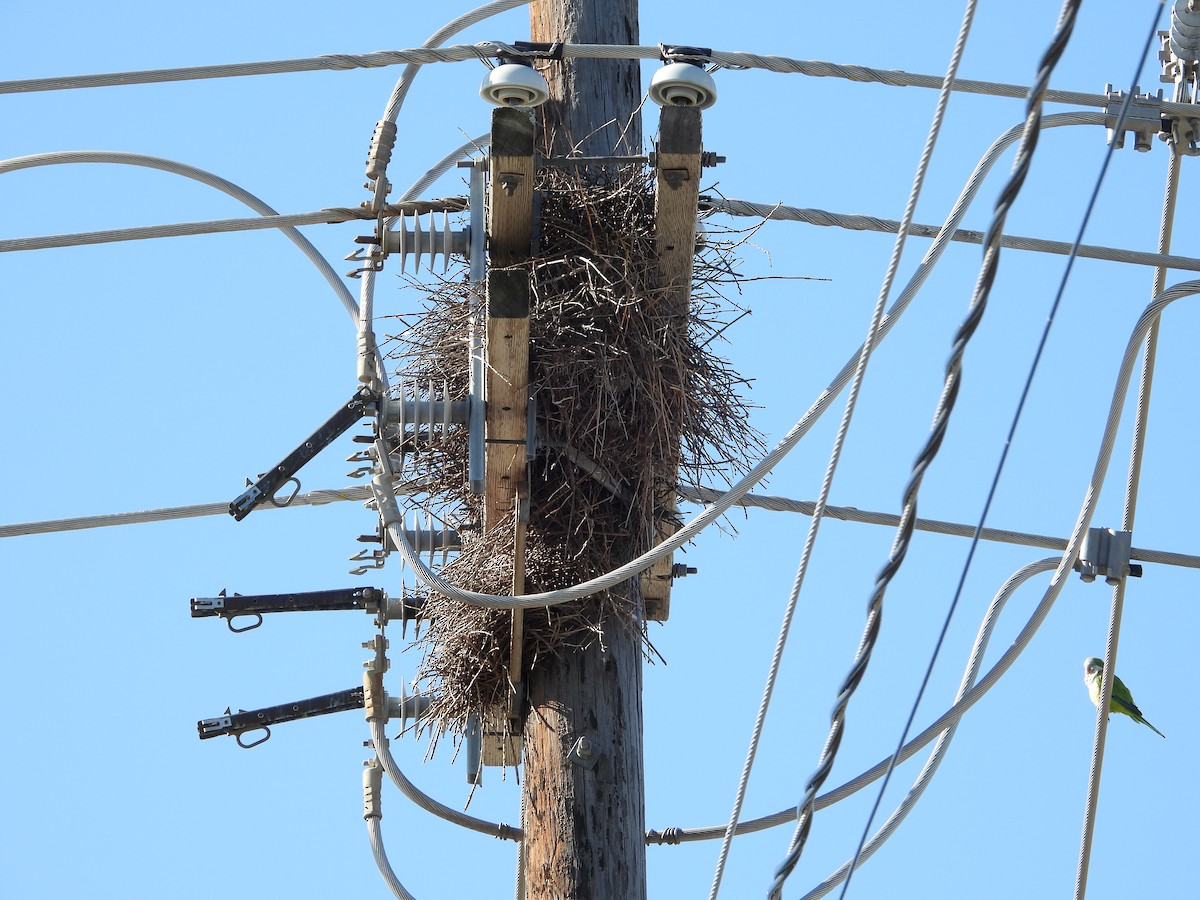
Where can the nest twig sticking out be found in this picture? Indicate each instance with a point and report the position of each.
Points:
(630, 395)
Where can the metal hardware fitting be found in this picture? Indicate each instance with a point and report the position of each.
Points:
(1105, 551)
(1143, 118)
(1182, 132)
(585, 753)
(708, 159)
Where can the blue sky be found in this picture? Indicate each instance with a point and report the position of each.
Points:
(154, 374)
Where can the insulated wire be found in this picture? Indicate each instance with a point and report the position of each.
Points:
(945, 407)
(489, 50)
(366, 315)
(381, 860)
(178, 168)
(937, 526)
(393, 521)
(366, 294)
(860, 370)
(1002, 665)
(771, 211)
(1141, 417)
(974, 663)
(775, 211)
(384, 754)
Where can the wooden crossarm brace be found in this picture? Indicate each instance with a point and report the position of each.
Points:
(677, 174)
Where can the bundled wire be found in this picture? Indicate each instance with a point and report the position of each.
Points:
(908, 515)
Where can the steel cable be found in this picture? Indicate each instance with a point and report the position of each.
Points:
(860, 369)
(489, 50)
(1133, 480)
(928, 453)
(1002, 665)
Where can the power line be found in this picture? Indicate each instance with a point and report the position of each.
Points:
(891, 226)
(945, 407)
(489, 50)
(874, 326)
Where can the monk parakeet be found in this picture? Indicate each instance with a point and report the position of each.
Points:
(1121, 700)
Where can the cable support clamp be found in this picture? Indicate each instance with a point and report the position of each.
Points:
(671, 836)
(1143, 117)
(1106, 551)
(536, 50)
(1181, 131)
(670, 53)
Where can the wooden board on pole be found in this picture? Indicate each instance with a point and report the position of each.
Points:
(677, 192)
(506, 382)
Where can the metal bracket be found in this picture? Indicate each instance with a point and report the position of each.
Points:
(1182, 132)
(1143, 118)
(269, 483)
(1105, 551)
(241, 722)
(585, 753)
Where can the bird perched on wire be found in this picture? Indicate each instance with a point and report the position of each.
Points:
(1121, 700)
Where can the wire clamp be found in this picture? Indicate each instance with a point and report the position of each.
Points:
(1106, 551)
(1181, 131)
(1143, 117)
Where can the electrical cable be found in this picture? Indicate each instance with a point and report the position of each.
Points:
(311, 498)
(439, 37)
(381, 860)
(383, 753)
(974, 663)
(367, 345)
(393, 521)
(489, 50)
(372, 813)
(1133, 480)
(329, 216)
(774, 211)
(769, 211)
(177, 168)
(925, 458)
(860, 370)
(1091, 497)
(936, 526)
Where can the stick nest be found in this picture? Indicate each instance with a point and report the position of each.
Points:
(630, 398)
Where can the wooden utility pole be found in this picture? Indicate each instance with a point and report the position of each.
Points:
(584, 789)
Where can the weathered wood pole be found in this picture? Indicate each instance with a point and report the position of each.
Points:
(584, 819)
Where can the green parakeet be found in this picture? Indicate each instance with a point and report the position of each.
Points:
(1121, 700)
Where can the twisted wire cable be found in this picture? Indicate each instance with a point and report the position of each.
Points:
(937, 526)
(835, 454)
(775, 211)
(335, 214)
(489, 50)
(373, 812)
(974, 663)
(1008, 194)
(375, 835)
(327, 216)
(170, 513)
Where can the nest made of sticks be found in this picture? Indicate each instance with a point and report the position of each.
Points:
(630, 397)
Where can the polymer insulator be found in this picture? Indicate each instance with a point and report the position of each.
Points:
(383, 141)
